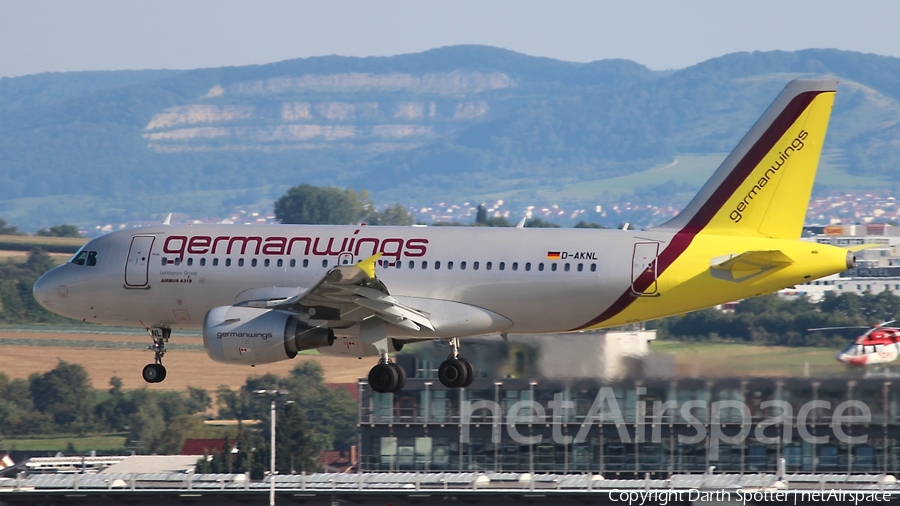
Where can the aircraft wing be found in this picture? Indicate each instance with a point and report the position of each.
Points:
(748, 264)
(346, 295)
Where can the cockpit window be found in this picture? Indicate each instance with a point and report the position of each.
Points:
(79, 258)
(88, 258)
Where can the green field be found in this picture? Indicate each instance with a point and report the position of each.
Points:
(48, 244)
(60, 443)
(745, 360)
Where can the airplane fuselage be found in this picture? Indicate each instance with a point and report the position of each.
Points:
(540, 280)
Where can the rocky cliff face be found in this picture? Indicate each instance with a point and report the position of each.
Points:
(327, 111)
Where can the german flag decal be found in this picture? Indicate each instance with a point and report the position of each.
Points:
(553, 255)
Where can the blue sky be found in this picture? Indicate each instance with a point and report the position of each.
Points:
(51, 36)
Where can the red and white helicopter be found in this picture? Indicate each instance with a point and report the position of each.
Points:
(879, 345)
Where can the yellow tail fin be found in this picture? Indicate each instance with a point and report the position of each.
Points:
(762, 188)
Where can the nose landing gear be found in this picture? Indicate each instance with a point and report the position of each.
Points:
(156, 372)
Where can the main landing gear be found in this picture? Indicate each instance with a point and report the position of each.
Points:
(156, 372)
(455, 372)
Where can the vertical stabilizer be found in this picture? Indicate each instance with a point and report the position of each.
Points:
(762, 188)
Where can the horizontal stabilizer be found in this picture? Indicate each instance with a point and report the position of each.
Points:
(749, 264)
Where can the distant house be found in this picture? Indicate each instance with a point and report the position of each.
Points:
(338, 461)
(203, 446)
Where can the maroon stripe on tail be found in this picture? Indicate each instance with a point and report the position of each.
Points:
(711, 207)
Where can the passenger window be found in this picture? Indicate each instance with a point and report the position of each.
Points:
(398, 264)
(202, 262)
(325, 262)
(475, 265)
(449, 266)
(215, 262)
(253, 262)
(424, 264)
(488, 265)
(593, 267)
(92, 258)
(580, 267)
(462, 265)
(502, 265)
(412, 264)
(266, 263)
(293, 262)
(527, 266)
(80, 258)
(227, 262)
(541, 266)
(75, 261)
(240, 262)
(437, 265)
(280, 263)
(177, 261)
(515, 266)
(305, 262)
(190, 262)
(553, 267)
(567, 267)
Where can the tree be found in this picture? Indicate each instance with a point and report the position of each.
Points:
(481, 215)
(64, 393)
(322, 205)
(587, 224)
(6, 229)
(59, 231)
(393, 215)
(539, 223)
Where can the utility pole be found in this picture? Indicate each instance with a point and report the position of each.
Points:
(274, 394)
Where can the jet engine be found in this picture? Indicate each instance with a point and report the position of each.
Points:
(248, 335)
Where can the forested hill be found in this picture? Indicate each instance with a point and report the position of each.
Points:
(454, 122)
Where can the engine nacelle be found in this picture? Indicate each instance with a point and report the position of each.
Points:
(249, 335)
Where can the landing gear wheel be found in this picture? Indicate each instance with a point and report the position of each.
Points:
(383, 378)
(470, 371)
(453, 373)
(154, 373)
(401, 377)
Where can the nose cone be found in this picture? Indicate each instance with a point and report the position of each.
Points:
(47, 291)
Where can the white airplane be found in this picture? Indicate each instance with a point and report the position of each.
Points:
(262, 294)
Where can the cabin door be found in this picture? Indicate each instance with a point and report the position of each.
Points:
(138, 265)
(644, 268)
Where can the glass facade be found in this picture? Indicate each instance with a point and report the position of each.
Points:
(633, 427)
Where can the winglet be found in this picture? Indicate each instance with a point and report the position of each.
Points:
(368, 265)
(168, 220)
(522, 222)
